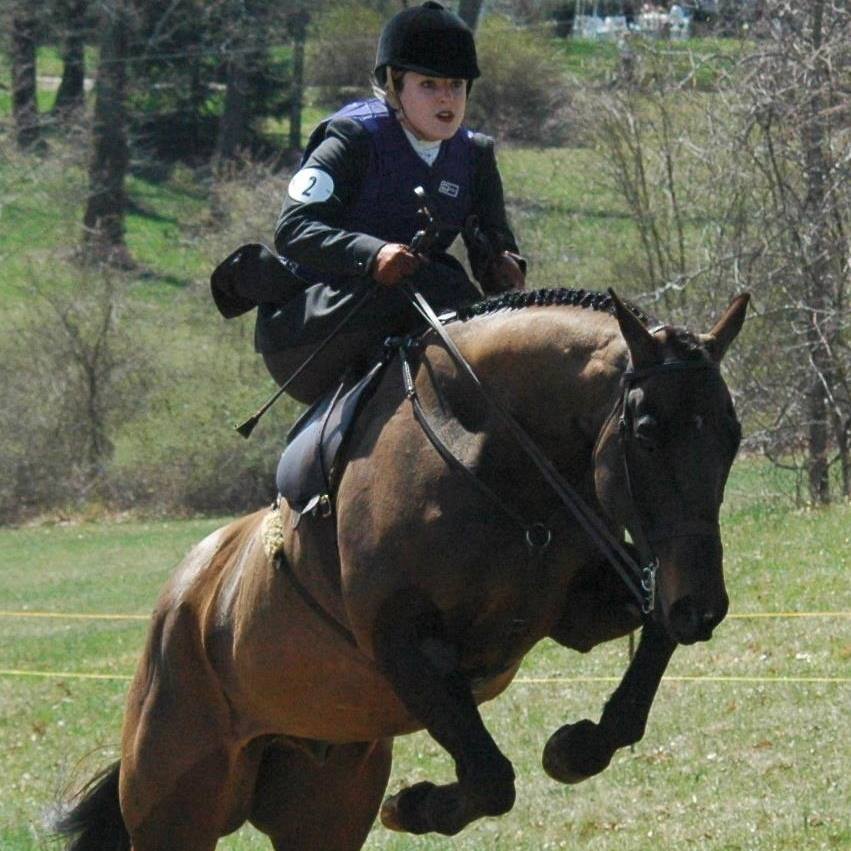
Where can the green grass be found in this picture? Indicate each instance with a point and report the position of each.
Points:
(759, 763)
(41, 224)
(700, 61)
(49, 61)
(573, 228)
(586, 58)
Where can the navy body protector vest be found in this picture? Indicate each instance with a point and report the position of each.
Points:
(386, 206)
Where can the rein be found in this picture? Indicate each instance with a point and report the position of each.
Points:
(633, 576)
(639, 578)
(538, 535)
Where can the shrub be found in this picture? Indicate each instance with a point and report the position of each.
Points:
(72, 374)
(523, 92)
(341, 53)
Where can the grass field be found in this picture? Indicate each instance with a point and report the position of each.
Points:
(752, 754)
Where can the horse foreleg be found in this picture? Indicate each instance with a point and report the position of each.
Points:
(422, 669)
(304, 804)
(578, 751)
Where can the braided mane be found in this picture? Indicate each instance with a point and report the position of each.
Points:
(545, 297)
(684, 344)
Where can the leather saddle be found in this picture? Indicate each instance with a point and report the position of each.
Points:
(310, 460)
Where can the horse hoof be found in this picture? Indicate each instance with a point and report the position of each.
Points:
(490, 790)
(576, 752)
(403, 812)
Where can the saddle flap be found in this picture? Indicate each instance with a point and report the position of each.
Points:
(316, 439)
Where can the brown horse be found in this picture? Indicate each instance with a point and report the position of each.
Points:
(271, 687)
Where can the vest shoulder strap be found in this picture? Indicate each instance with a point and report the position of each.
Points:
(361, 111)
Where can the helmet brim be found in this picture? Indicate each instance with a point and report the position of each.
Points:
(446, 74)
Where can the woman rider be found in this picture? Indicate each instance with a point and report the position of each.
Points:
(351, 212)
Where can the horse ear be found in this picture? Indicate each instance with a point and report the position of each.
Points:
(727, 328)
(640, 342)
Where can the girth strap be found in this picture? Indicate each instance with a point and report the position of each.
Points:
(284, 567)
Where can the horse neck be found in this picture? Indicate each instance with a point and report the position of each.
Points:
(557, 369)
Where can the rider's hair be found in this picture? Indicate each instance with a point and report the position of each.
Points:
(392, 88)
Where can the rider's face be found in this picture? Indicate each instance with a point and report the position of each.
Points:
(432, 107)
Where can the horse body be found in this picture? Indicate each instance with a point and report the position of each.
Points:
(470, 561)
(270, 689)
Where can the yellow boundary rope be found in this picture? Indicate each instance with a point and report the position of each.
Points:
(75, 616)
(519, 680)
(61, 675)
(80, 675)
(696, 678)
(128, 617)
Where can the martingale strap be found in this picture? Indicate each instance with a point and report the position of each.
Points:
(639, 580)
(538, 535)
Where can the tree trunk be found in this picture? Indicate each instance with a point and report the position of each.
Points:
(104, 216)
(24, 104)
(469, 12)
(235, 114)
(818, 271)
(234, 117)
(298, 29)
(817, 437)
(70, 94)
(197, 99)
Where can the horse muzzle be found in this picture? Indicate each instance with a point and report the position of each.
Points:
(689, 622)
(692, 596)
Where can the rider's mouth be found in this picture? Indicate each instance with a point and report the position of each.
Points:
(446, 117)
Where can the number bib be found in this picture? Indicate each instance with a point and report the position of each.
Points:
(311, 186)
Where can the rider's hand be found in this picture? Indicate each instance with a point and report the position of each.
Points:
(503, 273)
(393, 263)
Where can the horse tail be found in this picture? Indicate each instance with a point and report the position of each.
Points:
(94, 822)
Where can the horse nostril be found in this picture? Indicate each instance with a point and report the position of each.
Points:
(690, 623)
(712, 617)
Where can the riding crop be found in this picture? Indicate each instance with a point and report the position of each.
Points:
(245, 428)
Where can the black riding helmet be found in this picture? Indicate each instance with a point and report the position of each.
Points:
(428, 39)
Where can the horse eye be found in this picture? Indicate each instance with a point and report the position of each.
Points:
(647, 431)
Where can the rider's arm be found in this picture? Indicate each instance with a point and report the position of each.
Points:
(490, 214)
(309, 227)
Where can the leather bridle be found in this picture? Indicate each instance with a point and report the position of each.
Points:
(642, 538)
(638, 576)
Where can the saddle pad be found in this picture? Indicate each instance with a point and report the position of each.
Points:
(315, 440)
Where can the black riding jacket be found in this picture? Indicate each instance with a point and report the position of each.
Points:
(336, 260)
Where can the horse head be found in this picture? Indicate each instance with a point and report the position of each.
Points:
(662, 461)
